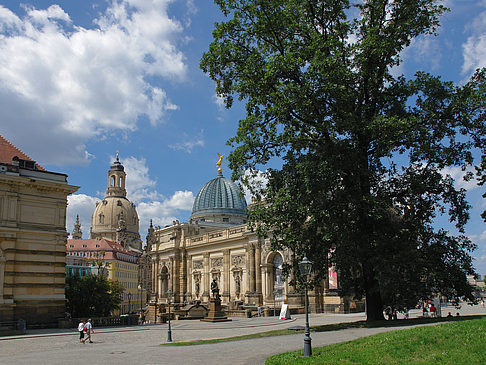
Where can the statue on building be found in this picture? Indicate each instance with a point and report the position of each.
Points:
(220, 161)
(197, 285)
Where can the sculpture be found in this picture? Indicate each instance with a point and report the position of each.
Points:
(220, 161)
(215, 289)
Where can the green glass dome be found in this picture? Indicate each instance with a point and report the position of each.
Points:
(219, 196)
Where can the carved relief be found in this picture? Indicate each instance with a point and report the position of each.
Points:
(217, 262)
(238, 260)
(197, 265)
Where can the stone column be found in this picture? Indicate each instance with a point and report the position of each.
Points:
(252, 269)
(182, 279)
(248, 282)
(268, 282)
(258, 269)
(153, 277)
(206, 279)
(227, 276)
(2, 274)
(189, 277)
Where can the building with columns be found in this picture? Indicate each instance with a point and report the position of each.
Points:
(216, 244)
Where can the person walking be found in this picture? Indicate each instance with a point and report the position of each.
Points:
(89, 330)
(81, 331)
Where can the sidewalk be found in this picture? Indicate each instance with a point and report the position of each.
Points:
(141, 344)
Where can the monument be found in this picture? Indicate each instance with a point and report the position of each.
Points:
(215, 313)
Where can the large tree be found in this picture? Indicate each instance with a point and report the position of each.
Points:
(92, 295)
(362, 151)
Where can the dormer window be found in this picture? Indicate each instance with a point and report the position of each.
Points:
(102, 218)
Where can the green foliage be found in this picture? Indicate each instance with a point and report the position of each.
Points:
(459, 342)
(363, 152)
(92, 295)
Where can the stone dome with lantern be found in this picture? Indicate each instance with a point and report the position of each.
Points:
(115, 217)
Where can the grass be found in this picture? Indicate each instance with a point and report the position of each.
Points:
(323, 328)
(461, 341)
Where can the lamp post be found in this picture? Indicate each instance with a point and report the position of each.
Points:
(140, 289)
(129, 302)
(274, 295)
(305, 268)
(169, 333)
(156, 302)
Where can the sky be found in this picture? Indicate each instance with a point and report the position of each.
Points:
(80, 80)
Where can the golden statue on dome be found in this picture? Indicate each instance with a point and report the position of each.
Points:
(220, 161)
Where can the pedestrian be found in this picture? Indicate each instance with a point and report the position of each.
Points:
(482, 302)
(425, 311)
(81, 331)
(89, 330)
(433, 310)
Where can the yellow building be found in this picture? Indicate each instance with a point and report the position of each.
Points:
(32, 239)
(115, 261)
(115, 233)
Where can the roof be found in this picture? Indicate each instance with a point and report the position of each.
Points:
(92, 243)
(219, 196)
(8, 151)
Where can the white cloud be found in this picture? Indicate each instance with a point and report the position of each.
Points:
(189, 144)
(474, 49)
(458, 175)
(219, 101)
(82, 205)
(165, 211)
(258, 181)
(139, 185)
(66, 84)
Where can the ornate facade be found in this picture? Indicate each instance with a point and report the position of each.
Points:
(217, 244)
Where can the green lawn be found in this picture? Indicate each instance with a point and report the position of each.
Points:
(457, 342)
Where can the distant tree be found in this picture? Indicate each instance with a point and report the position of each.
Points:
(363, 151)
(92, 295)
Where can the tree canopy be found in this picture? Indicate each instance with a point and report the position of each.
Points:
(92, 295)
(363, 151)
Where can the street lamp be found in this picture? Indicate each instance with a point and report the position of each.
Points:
(129, 302)
(169, 333)
(305, 268)
(141, 293)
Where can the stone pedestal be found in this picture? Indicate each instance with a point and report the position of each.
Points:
(215, 313)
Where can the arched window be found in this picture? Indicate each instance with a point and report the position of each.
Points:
(112, 180)
(278, 283)
(102, 218)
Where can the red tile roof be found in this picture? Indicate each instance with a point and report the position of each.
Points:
(9, 151)
(91, 243)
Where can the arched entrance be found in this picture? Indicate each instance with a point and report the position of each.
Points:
(278, 282)
(164, 281)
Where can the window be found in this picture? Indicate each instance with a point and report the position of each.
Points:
(102, 218)
(225, 219)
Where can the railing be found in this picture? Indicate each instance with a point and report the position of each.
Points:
(13, 328)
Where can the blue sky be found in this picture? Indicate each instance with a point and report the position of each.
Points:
(80, 80)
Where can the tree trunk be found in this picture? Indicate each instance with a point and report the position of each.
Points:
(374, 305)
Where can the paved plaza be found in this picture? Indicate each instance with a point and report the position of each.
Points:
(141, 344)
